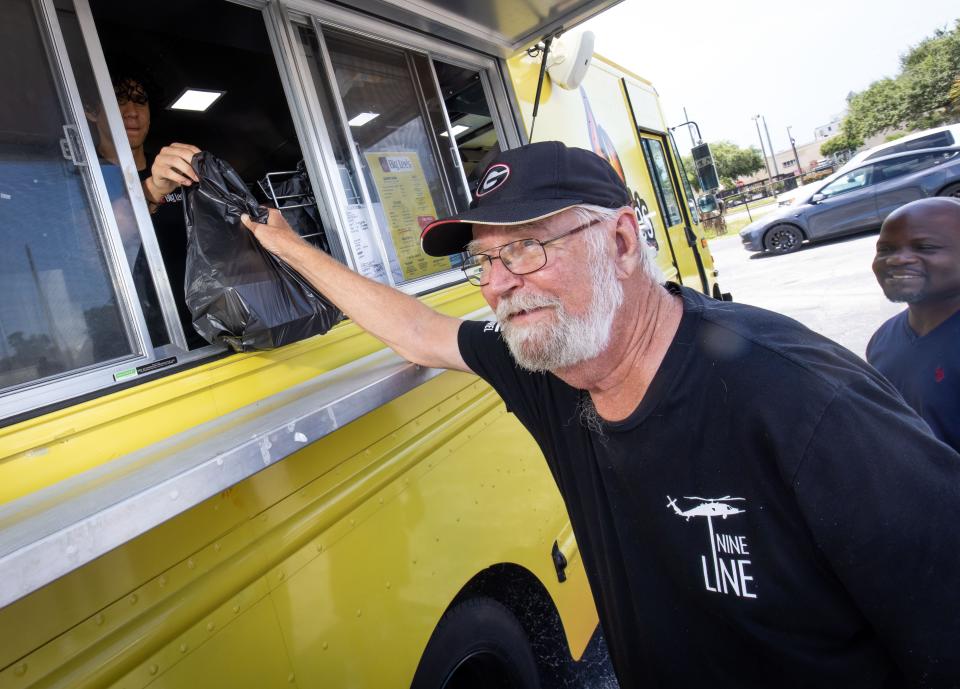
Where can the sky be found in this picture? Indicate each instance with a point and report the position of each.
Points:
(793, 63)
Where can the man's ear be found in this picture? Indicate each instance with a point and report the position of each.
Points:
(627, 237)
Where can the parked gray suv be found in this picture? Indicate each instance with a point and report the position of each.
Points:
(857, 199)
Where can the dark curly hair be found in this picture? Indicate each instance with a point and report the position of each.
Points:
(133, 80)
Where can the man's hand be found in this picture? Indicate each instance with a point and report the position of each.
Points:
(276, 235)
(171, 169)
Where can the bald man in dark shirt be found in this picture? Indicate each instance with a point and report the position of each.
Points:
(918, 350)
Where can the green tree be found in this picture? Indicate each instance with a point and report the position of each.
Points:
(929, 70)
(954, 94)
(881, 106)
(733, 162)
(841, 143)
(690, 170)
(920, 96)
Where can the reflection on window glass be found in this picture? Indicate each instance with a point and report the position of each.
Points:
(61, 312)
(96, 122)
(908, 164)
(391, 126)
(361, 243)
(471, 121)
(688, 188)
(660, 172)
(849, 182)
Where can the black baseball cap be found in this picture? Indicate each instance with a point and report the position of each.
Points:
(527, 184)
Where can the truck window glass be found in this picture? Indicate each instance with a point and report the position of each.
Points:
(95, 112)
(666, 194)
(471, 122)
(62, 312)
(362, 242)
(249, 125)
(394, 133)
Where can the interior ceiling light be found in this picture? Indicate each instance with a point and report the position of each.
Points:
(362, 118)
(197, 100)
(457, 129)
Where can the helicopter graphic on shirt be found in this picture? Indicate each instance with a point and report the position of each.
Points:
(708, 507)
(730, 570)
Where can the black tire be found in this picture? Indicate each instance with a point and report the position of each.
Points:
(478, 644)
(952, 190)
(782, 239)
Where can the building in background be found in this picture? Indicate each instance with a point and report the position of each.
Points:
(832, 128)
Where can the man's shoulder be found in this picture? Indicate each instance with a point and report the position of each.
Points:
(743, 335)
(481, 336)
(485, 351)
(761, 328)
(893, 323)
(890, 333)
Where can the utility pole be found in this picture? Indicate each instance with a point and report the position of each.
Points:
(687, 118)
(773, 155)
(763, 150)
(793, 145)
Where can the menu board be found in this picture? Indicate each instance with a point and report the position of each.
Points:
(408, 208)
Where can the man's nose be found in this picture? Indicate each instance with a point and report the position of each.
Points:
(901, 257)
(502, 281)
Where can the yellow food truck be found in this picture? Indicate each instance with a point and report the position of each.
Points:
(322, 514)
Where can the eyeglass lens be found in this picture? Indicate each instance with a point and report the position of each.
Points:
(519, 257)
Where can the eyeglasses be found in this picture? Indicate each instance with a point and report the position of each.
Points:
(520, 257)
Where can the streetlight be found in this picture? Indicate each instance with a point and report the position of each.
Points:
(763, 150)
(793, 145)
(687, 118)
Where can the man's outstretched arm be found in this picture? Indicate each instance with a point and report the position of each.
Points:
(413, 330)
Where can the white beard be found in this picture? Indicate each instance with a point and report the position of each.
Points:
(566, 340)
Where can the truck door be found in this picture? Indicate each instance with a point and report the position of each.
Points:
(669, 202)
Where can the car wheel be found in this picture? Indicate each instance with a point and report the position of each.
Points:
(953, 190)
(478, 643)
(782, 239)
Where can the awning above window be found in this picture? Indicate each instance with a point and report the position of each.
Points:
(498, 27)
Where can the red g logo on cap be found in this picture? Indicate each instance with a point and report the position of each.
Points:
(493, 178)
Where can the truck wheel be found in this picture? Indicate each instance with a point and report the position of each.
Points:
(478, 644)
(782, 239)
(953, 190)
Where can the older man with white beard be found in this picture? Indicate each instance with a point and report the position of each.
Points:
(754, 505)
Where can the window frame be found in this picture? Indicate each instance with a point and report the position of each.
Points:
(302, 91)
(24, 399)
(657, 182)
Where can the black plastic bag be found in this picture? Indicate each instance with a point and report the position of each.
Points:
(238, 292)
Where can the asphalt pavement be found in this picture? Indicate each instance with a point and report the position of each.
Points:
(827, 286)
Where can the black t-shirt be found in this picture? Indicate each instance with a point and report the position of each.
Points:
(771, 515)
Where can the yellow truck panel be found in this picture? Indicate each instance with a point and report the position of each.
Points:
(304, 516)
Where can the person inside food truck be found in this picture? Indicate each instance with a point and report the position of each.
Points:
(162, 179)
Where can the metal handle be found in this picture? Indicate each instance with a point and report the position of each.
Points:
(71, 146)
